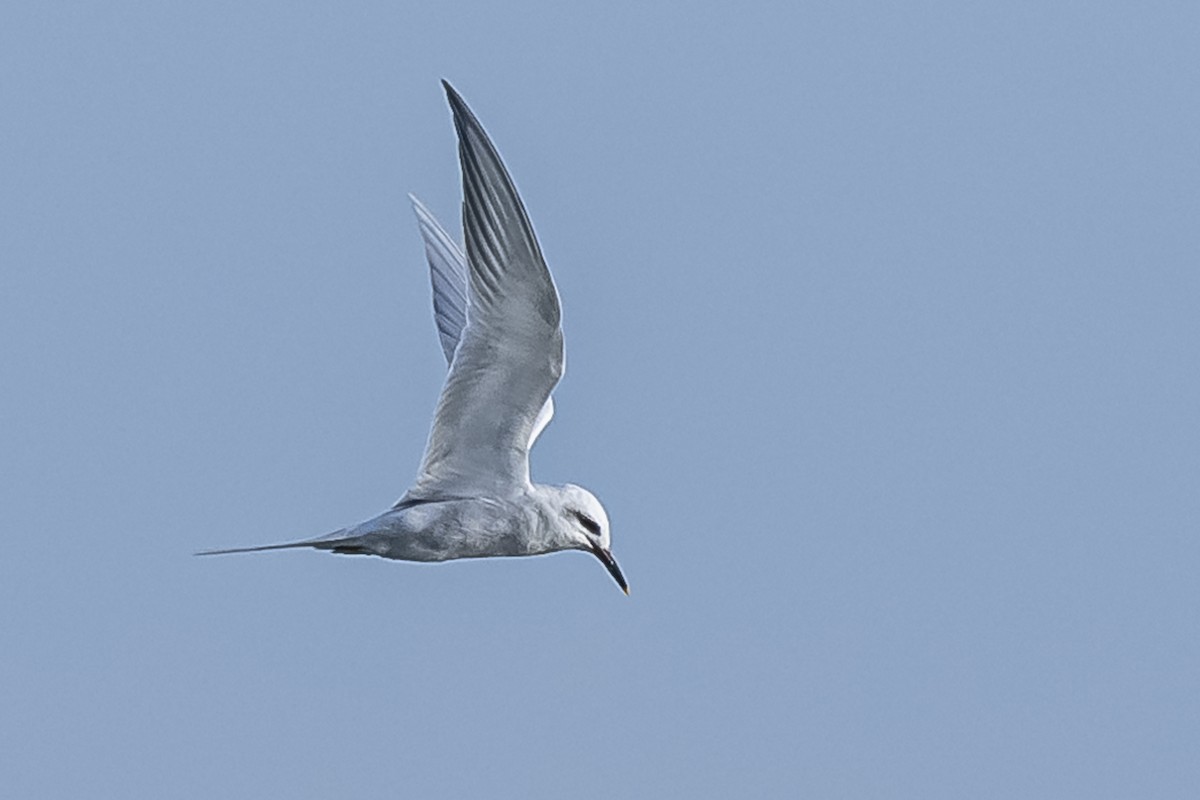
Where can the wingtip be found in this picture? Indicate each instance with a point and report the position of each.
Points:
(452, 94)
(463, 116)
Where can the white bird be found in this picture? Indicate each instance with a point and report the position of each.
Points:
(499, 323)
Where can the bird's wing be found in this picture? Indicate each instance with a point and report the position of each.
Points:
(510, 356)
(448, 275)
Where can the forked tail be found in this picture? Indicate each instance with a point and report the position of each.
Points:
(335, 541)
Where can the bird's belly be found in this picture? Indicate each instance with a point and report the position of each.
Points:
(442, 532)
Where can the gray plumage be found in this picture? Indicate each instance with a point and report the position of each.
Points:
(499, 324)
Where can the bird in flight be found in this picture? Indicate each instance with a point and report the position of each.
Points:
(499, 323)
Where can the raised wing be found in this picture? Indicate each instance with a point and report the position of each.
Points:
(510, 355)
(448, 275)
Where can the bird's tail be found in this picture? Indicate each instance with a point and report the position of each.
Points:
(332, 541)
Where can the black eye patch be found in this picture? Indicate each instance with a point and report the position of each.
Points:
(587, 522)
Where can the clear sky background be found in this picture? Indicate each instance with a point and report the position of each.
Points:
(882, 331)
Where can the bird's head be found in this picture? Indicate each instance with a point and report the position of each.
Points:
(586, 526)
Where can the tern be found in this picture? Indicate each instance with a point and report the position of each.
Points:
(499, 323)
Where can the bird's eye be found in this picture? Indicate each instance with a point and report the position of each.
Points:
(587, 522)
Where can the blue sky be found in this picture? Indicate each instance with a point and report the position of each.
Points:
(882, 337)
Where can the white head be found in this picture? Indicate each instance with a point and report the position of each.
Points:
(583, 525)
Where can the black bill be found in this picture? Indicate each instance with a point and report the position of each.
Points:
(610, 563)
